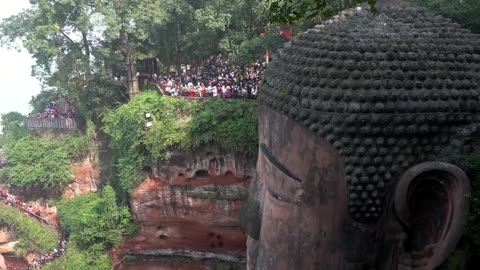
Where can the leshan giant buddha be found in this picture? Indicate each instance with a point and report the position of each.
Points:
(365, 123)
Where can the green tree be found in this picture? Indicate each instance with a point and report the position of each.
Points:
(14, 127)
(40, 101)
(127, 26)
(38, 163)
(98, 224)
(291, 11)
(43, 164)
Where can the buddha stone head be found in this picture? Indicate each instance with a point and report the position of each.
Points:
(365, 123)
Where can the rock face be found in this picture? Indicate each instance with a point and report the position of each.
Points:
(7, 241)
(87, 179)
(189, 209)
(8, 260)
(6, 235)
(15, 263)
(3, 266)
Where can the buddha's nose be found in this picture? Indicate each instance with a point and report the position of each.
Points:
(250, 217)
(250, 213)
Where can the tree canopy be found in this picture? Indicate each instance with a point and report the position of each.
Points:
(14, 127)
(465, 12)
(291, 11)
(77, 43)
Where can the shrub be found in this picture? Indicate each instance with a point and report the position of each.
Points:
(95, 222)
(44, 164)
(76, 259)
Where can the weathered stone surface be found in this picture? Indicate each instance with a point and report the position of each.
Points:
(208, 161)
(190, 209)
(180, 264)
(86, 179)
(6, 235)
(7, 248)
(3, 266)
(156, 265)
(15, 263)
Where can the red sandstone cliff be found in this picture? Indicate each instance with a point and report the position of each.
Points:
(187, 212)
(8, 260)
(86, 177)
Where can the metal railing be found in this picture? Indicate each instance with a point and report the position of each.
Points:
(52, 123)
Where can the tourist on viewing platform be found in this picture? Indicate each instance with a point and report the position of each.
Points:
(216, 73)
(52, 110)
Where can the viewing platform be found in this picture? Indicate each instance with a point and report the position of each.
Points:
(53, 123)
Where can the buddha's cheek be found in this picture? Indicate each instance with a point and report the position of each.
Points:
(292, 237)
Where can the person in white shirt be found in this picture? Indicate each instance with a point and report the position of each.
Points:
(210, 89)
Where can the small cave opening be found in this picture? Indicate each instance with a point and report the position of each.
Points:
(147, 170)
(429, 209)
(201, 174)
(229, 173)
(181, 175)
(162, 236)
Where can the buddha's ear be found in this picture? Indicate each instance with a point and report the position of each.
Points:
(431, 200)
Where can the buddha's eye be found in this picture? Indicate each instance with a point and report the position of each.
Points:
(268, 154)
(276, 196)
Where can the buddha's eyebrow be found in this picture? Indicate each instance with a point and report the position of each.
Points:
(266, 151)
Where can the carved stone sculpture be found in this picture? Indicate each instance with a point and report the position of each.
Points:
(365, 123)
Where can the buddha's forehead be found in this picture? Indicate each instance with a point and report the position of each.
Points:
(386, 92)
(292, 148)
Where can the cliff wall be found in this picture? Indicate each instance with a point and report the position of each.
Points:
(187, 212)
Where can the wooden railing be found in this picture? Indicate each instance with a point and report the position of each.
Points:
(52, 123)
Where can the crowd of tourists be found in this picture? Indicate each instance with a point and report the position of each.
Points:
(53, 110)
(45, 258)
(216, 78)
(11, 200)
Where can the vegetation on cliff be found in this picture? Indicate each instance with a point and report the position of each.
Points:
(31, 235)
(44, 163)
(93, 228)
(99, 223)
(178, 124)
(76, 259)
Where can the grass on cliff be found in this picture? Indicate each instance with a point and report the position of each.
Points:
(178, 124)
(31, 235)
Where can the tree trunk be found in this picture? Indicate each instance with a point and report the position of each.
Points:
(166, 49)
(177, 51)
(88, 72)
(132, 81)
